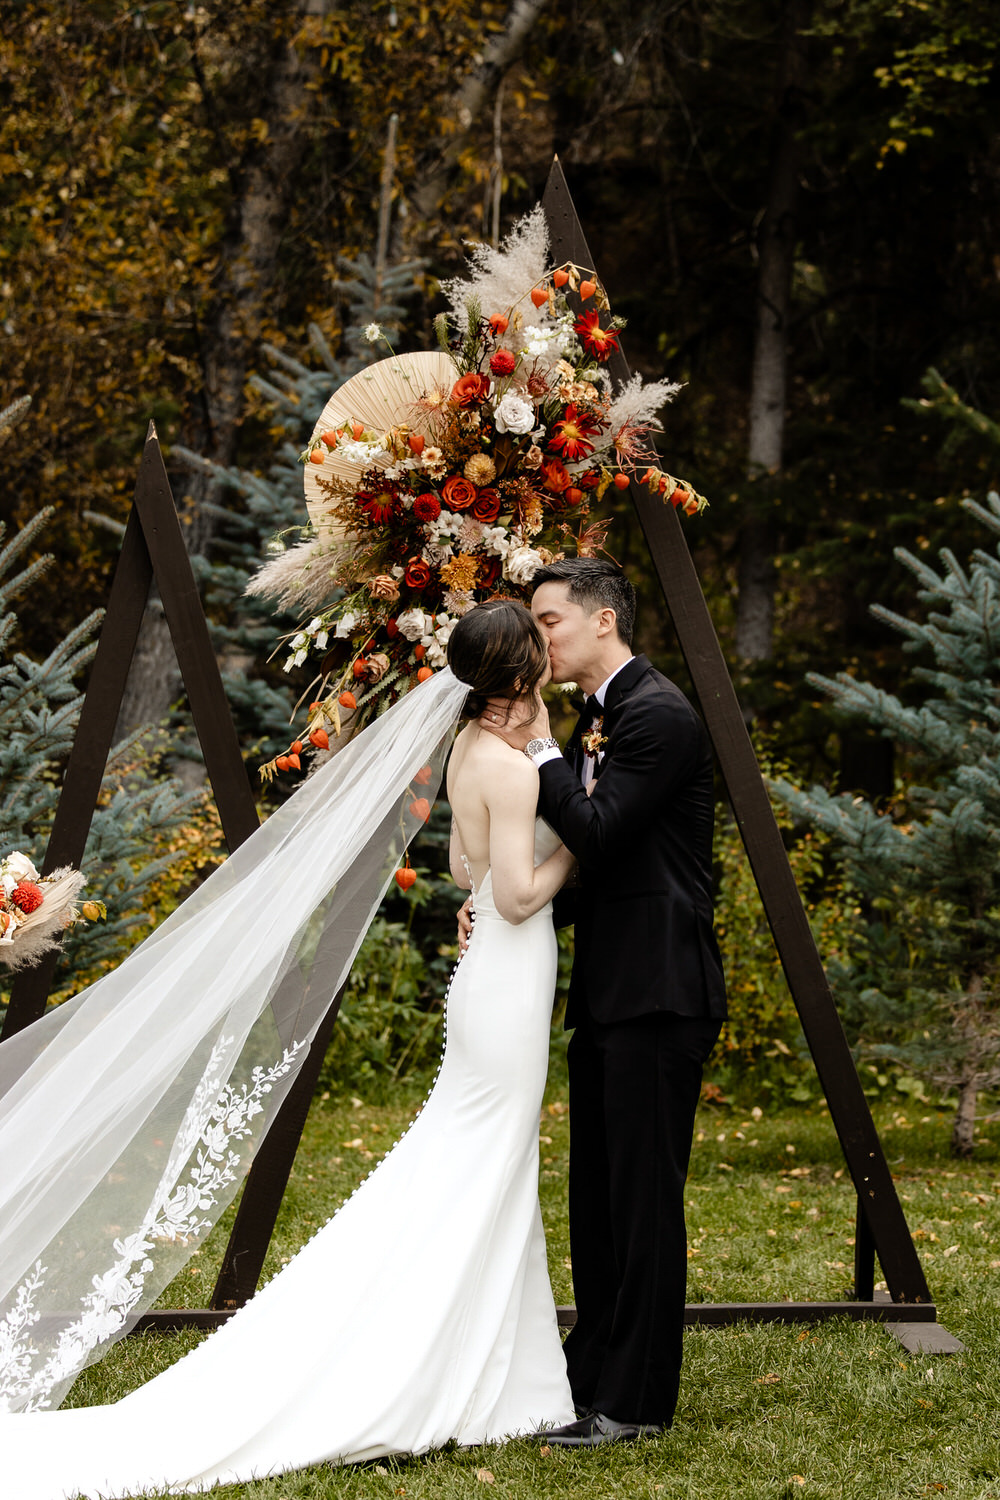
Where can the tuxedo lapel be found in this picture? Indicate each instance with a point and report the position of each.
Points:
(621, 685)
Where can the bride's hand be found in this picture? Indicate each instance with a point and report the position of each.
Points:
(516, 723)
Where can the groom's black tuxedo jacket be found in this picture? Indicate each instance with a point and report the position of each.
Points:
(643, 839)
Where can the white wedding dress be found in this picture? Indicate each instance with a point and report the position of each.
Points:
(421, 1312)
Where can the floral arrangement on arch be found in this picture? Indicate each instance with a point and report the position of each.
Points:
(36, 909)
(437, 480)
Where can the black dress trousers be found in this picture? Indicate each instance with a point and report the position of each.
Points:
(633, 1092)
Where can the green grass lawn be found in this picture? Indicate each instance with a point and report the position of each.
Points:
(834, 1410)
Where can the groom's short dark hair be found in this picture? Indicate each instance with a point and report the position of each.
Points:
(594, 583)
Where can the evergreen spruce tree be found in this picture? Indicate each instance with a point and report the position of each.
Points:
(40, 707)
(929, 866)
(246, 630)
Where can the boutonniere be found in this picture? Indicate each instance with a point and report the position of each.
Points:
(594, 741)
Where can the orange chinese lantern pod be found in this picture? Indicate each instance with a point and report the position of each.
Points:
(295, 748)
(423, 776)
(315, 707)
(621, 481)
(539, 296)
(360, 668)
(405, 877)
(416, 441)
(329, 438)
(560, 278)
(420, 808)
(293, 760)
(420, 652)
(574, 495)
(587, 289)
(347, 700)
(678, 496)
(423, 673)
(357, 431)
(282, 762)
(317, 455)
(320, 739)
(498, 324)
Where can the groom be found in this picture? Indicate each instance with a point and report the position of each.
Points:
(632, 797)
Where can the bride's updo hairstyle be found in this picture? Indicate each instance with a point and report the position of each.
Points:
(498, 649)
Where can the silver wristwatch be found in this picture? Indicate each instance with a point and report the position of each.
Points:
(535, 747)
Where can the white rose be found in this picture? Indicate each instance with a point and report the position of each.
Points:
(413, 624)
(19, 867)
(514, 414)
(521, 565)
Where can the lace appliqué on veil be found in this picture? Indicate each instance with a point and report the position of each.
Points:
(217, 1116)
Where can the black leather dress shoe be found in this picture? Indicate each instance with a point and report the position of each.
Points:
(595, 1428)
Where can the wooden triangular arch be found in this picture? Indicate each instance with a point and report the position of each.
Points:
(153, 546)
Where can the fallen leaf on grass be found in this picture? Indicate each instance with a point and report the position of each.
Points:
(485, 1476)
(797, 1479)
(381, 1469)
(768, 1379)
(544, 1451)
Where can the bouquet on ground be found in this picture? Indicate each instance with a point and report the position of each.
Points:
(36, 909)
(437, 480)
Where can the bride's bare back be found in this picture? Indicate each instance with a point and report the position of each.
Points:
(493, 792)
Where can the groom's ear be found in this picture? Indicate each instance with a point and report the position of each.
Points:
(607, 622)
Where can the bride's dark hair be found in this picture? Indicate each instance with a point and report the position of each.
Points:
(498, 649)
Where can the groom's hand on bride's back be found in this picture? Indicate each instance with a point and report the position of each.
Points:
(517, 724)
(464, 919)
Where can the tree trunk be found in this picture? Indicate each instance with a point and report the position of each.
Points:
(265, 180)
(503, 49)
(963, 1131)
(776, 257)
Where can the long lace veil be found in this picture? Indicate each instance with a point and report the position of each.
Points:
(130, 1114)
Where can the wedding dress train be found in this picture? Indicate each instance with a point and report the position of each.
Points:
(420, 1313)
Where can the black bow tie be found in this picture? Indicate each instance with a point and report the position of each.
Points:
(593, 709)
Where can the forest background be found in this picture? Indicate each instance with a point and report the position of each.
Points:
(794, 205)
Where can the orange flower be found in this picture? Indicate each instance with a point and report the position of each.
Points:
(470, 390)
(458, 493)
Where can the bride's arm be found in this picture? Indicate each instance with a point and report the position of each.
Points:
(519, 889)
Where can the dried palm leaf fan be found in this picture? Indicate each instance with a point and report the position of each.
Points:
(381, 396)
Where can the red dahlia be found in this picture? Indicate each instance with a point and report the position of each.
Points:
(27, 896)
(503, 363)
(427, 507)
(598, 341)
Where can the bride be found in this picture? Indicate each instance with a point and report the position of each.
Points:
(422, 1311)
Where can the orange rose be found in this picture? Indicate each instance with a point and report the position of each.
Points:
(470, 390)
(458, 494)
(418, 574)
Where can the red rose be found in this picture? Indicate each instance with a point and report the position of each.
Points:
(458, 493)
(487, 505)
(503, 363)
(27, 896)
(418, 574)
(470, 390)
(427, 507)
(489, 572)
